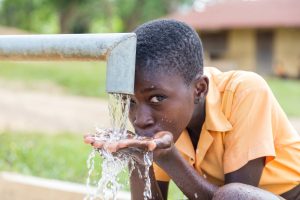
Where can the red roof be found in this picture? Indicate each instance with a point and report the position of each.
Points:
(243, 14)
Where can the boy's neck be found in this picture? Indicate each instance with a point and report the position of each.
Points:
(195, 125)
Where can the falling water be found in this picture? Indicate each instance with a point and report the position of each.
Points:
(113, 164)
(148, 159)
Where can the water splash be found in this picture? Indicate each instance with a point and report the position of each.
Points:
(148, 160)
(90, 164)
(113, 164)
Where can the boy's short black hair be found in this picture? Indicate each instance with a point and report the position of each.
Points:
(169, 46)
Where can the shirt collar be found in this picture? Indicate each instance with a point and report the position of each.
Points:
(185, 145)
(215, 119)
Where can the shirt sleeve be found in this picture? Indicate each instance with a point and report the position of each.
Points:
(252, 136)
(160, 174)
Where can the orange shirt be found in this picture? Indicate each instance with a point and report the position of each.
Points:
(243, 122)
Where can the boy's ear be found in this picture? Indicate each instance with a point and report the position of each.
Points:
(201, 86)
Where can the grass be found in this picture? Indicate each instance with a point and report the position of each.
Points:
(287, 93)
(88, 79)
(78, 78)
(61, 156)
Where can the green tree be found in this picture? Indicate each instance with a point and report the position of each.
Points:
(135, 12)
(26, 14)
(70, 15)
(69, 12)
(82, 16)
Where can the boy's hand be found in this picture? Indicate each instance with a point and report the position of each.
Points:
(159, 144)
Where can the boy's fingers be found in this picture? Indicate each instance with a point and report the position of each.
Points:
(98, 144)
(163, 142)
(152, 145)
(88, 139)
(133, 143)
(112, 147)
(149, 145)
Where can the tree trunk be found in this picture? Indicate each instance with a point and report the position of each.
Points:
(65, 17)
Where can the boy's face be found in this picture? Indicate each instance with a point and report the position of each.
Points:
(161, 102)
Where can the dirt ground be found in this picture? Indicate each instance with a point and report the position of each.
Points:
(23, 110)
(51, 112)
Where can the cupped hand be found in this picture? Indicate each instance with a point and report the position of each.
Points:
(160, 143)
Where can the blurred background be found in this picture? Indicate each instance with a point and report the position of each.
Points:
(46, 107)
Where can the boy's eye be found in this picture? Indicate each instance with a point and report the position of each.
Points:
(157, 99)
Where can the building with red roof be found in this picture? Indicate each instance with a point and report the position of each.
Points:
(258, 35)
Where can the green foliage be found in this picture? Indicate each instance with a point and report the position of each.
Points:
(32, 15)
(82, 16)
(76, 16)
(175, 192)
(79, 78)
(61, 156)
(62, 16)
(135, 12)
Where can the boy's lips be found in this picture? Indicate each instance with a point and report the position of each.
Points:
(147, 133)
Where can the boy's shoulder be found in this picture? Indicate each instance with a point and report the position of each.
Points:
(235, 80)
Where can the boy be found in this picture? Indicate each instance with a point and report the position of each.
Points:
(216, 135)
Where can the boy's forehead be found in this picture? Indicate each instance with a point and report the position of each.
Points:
(157, 73)
(147, 79)
(154, 81)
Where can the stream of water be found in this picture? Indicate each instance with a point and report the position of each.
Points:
(108, 185)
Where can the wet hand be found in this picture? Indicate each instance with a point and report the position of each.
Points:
(135, 146)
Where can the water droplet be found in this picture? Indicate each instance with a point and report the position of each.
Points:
(196, 195)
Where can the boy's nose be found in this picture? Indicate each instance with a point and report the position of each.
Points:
(143, 118)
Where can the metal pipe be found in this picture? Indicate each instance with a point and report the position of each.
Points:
(118, 49)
